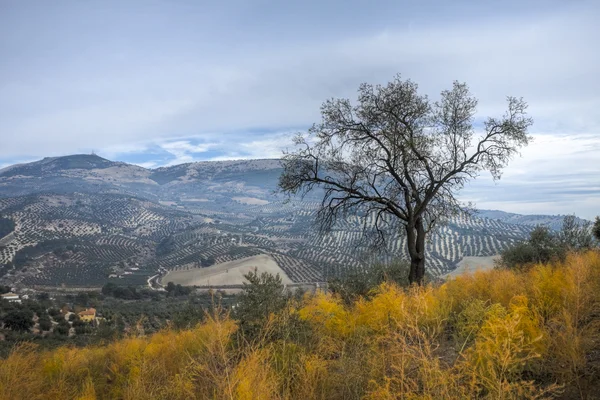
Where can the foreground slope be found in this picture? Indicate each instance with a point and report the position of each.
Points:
(498, 334)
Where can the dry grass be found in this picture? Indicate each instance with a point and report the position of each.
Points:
(496, 334)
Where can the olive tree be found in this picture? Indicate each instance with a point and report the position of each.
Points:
(576, 235)
(398, 159)
(596, 229)
(262, 295)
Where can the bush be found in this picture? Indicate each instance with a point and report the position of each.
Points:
(82, 328)
(82, 299)
(262, 296)
(19, 320)
(188, 317)
(62, 328)
(45, 324)
(544, 245)
(576, 236)
(499, 334)
(42, 296)
(596, 229)
(359, 284)
(108, 289)
(177, 290)
(54, 313)
(120, 292)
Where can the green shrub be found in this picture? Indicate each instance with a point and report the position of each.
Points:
(360, 284)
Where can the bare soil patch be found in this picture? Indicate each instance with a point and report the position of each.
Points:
(229, 273)
(471, 264)
(253, 201)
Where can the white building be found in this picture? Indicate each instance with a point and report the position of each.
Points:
(12, 297)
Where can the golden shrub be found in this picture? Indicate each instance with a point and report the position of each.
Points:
(497, 334)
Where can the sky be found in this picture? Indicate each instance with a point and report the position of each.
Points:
(159, 83)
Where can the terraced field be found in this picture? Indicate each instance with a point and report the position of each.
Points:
(84, 221)
(113, 233)
(81, 240)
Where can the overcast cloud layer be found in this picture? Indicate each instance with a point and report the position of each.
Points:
(164, 82)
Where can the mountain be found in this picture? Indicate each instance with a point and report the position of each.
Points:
(94, 174)
(52, 165)
(82, 221)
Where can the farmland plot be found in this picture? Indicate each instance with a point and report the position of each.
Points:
(229, 273)
(114, 231)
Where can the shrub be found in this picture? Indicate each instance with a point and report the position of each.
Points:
(357, 284)
(45, 324)
(502, 334)
(542, 247)
(54, 313)
(545, 245)
(262, 296)
(596, 229)
(19, 320)
(576, 236)
(177, 290)
(62, 328)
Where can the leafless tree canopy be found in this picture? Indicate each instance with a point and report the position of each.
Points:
(397, 154)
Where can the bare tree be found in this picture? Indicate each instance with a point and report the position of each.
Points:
(396, 156)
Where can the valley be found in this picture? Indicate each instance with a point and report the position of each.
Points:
(82, 221)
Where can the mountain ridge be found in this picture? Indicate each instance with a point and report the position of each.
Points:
(94, 167)
(211, 170)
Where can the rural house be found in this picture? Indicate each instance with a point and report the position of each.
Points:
(12, 297)
(88, 315)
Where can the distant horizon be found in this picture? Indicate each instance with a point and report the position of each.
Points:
(2, 168)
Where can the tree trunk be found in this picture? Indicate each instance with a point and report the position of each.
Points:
(415, 237)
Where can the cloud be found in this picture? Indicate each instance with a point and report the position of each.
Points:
(189, 81)
(550, 60)
(206, 147)
(184, 151)
(555, 174)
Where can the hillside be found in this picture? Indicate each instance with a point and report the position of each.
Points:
(494, 335)
(82, 221)
(551, 221)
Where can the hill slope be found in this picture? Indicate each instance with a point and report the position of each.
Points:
(119, 216)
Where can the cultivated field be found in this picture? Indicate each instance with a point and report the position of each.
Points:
(73, 231)
(468, 265)
(251, 201)
(228, 273)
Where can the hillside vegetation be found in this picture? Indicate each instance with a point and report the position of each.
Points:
(119, 216)
(501, 334)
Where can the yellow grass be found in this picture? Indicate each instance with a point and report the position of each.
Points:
(496, 334)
